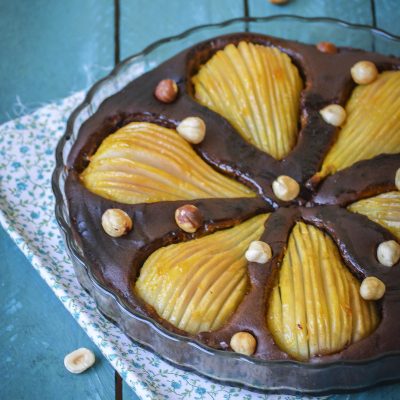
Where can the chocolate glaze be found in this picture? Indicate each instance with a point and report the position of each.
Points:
(363, 179)
(116, 263)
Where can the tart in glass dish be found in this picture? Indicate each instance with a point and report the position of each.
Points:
(243, 195)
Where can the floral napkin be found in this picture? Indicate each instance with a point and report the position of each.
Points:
(27, 161)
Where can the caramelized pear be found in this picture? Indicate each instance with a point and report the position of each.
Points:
(372, 125)
(197, 285)
(146, 163)
(315, 307)
(383, 209)
(257, 89)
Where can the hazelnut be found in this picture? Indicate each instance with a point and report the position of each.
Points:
(166, 91)
(188, 218)
(334, 114)
(397, 179)
(259, 252)
(116, 222)
(285, 188)
(79, 360)
(278, 1)
(326, 47)
(192, 129)
(372, 288)
(364, 72)
(243, 343)
(388, 253)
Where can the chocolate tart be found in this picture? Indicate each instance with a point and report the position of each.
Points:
(328, 212)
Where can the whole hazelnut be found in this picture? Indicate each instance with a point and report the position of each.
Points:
(116, 222)
(259, 252)
(79, 360)
(326, 47)
(192, 129)
(166, 91)
(285, 188)
(243, 343)
(364, 72)
(334, 114)
(372, 288)
(278, 1)
(388, 253)
(188, 218)
(397, 179)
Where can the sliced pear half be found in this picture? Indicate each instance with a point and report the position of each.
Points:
(144, 163)
(257, 89)
(383, 209)
(372, 126)
(197, 285)
(316, 308)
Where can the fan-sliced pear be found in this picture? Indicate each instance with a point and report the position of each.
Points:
(197, 285)
(383, 209)
(145, 163)
(315, 307)
(372, 126)
(257, 89)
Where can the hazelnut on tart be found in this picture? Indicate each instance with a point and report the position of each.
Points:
(256, 208)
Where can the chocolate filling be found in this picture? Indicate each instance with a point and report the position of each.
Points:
(116, 263)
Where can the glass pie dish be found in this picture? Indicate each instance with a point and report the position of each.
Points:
(278, 376)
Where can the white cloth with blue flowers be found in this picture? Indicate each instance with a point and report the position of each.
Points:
(27, 160)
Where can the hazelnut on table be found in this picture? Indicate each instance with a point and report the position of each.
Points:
(79, 360)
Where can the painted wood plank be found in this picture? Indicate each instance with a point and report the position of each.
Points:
(143, 22)
(36, 332)
(387, 392)
(128, 393)
(387, 18)
(50, 49)
(387, 15)
(356, 11)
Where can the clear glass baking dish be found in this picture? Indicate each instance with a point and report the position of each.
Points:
(272, 376)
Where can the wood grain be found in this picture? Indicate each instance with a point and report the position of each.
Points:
(36, 332)
(387, 15)
(143, 22)
(387, 18)
(51, 49)
(356, 11)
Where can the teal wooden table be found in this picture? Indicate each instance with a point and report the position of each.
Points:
(50, 49)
